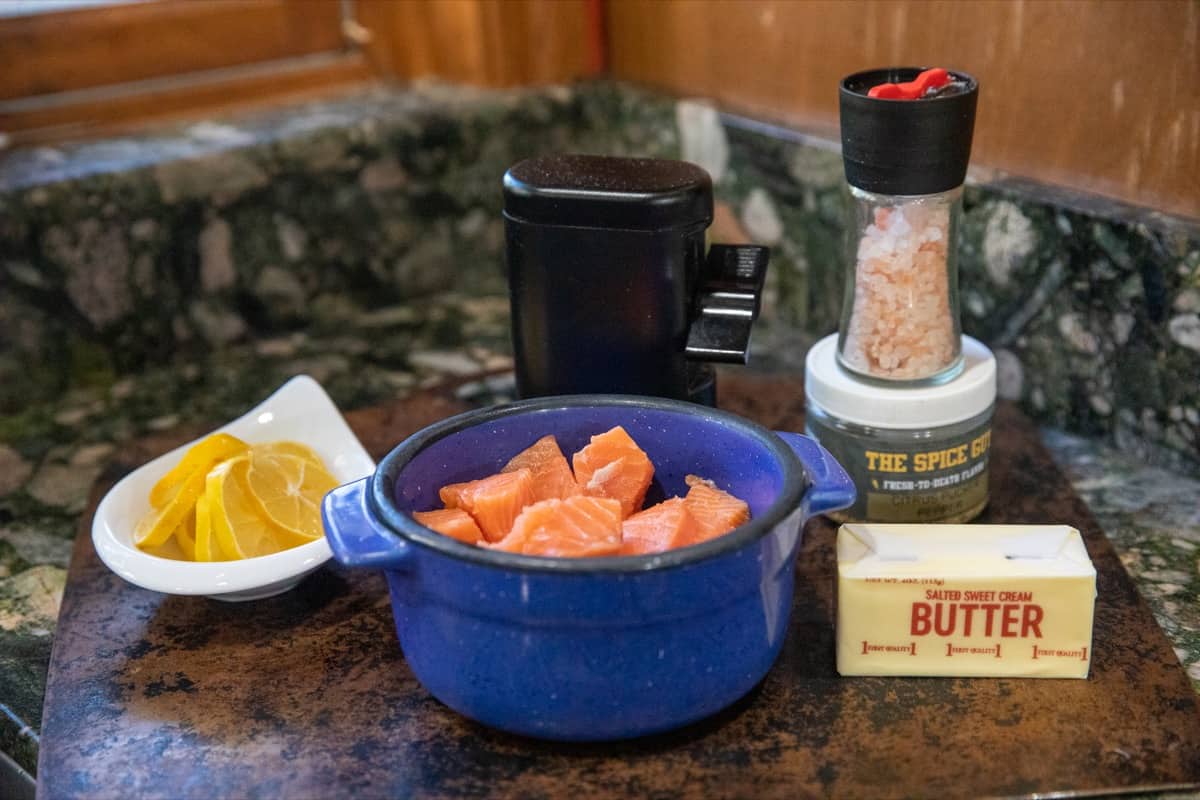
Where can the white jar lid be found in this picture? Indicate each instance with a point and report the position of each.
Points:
(842, 395)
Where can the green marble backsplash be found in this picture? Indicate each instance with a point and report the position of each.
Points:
(139, 253)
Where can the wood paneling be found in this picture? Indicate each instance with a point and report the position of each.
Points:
(537, 41)
(481, 42)
(59, 52)
(123, 111)
(90, 72)
(416, 39)
(1099, 95)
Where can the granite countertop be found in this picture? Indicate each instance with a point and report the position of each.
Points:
(55, 452)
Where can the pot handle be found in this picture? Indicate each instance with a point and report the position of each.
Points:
(830, 487)
(355, 538)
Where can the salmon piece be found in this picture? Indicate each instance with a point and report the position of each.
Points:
(659, 528)
(452, 522)
(552, 476)
(576, 527)
(715, 511)
(614, 466)
(494, 502)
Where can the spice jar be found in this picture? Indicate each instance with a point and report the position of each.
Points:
(905, 154)
(915, 453)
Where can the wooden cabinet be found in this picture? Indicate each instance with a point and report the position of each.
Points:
(1099, 95)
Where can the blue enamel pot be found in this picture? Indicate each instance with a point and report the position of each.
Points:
(596, 648)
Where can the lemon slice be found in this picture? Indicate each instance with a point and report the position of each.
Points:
(206, 546)
(158, 525)
(185, 537)
(240, 529)
(181, 545)
(227, 500)
(288, 448)
(288, 490)
(202, 455)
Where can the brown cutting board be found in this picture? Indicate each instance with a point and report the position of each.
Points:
(307, 695)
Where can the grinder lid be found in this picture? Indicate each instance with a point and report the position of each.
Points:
(906, 147)
(647, 194)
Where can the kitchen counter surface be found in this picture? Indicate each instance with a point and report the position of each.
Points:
(50, 456)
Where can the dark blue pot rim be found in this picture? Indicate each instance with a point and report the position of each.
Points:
(381, 498)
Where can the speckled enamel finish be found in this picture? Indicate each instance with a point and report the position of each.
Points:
(590, 649)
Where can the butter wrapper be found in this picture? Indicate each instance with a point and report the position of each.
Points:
(964, 600)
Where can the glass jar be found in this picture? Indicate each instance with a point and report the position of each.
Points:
(900, 309)
(915, 453)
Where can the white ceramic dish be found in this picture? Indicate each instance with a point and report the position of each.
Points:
(299, 410)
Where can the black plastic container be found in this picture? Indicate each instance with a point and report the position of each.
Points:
(906, 147)
(611, 286)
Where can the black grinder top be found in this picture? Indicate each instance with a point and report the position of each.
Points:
(611, 287)
(906, 147)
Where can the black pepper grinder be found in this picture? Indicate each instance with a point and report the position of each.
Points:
(612, 290)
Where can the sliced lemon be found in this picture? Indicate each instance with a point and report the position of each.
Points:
(158, 525)
(240, 529)
(185, 537)
(206, 546)
(202, 455)
(288, 491)
(288, 448)
(181, 545)
(228, 500)
(169, 549)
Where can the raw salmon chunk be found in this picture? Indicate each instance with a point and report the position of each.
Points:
(452, 522)
(494, 502)
(716, 512)
(552, 476)
(614, 466)
(577, 526)
(659, 528)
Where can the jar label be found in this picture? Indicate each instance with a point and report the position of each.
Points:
(917, 481)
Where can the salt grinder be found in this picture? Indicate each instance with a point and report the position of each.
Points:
(906, 152)
(611, 288)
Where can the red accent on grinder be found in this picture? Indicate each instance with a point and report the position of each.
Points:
(913, 90)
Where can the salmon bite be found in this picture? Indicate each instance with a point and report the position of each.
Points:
(537, 506)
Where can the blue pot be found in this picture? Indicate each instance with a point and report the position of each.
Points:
(598, 648)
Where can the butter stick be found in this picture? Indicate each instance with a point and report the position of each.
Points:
(964, 600)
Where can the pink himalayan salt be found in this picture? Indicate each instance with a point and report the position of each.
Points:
(901, 325)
